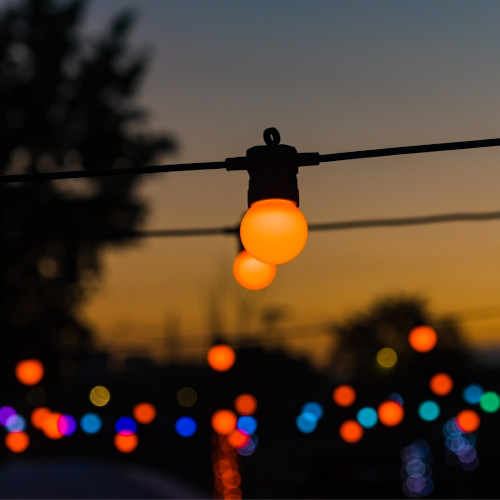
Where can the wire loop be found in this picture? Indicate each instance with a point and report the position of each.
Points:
(272, 136)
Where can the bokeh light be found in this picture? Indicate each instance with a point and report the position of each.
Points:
(144, 413)
(187, 397)
(238, 439)
(66, 425)
(221, 357)
(273, 231)
(17, 442)
(472, 394)
(422, 338)
(36, 396)
(367, 417)
(5, 413)
(126, 443)
(429, 411)
(314, 409)
(251, 273)
(224, 422)
(387, 357)
(490, 402)
(395, 396)
(306, 423)
(91, 423)
(247, 424)
(344, 395)
(468, 420)
(126, 426)
(390, 413)
(441, 384)
(351, 431)
(15, 423)
(248, 449)
(99, 395)
(245, 404)
(29, 371)
(185, 426)
(38, 415)
(50, 427)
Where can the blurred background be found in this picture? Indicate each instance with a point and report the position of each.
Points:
(118, 331)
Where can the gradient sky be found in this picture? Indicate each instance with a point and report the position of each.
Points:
(331, 76)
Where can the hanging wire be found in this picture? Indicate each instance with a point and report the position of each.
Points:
(325, 226)
(239, 163)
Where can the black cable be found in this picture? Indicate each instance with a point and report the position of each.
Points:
(328, 226)
(239, 163)
(405, 150)
(107, 172)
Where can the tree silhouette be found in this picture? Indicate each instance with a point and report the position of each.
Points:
(387, 324)
(65, 103)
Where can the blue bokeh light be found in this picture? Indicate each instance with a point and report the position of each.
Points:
(306, 422)
(472, 393)
(367, 417)
(247, 424)
(429, 411)
(126, 426)
(185, 426)
(313, 408)
(15, 423)
(91, 423)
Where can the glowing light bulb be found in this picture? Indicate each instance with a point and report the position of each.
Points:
(274, 230)
(252, 274)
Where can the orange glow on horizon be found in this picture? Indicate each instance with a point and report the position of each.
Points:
(224, 422)
(344, 395)
(422, 338)
(17, 442)
(126, 443)
(351, 431)
(251, 273)
(144, 413)
(468, 420)
(274, 230)
(390, 413)
(29, 371)
(221, 357)
(245, 404)
(441, 384)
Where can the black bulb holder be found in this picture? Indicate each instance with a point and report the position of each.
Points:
(272, 169)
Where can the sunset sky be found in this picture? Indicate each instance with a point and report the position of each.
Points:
(332, 76)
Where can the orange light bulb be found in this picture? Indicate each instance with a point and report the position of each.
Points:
(252, 274)
(274, 230)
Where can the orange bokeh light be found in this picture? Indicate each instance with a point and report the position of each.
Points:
(251, 273)
(224, 422)
(468, 420)
(221, 357)
(126, 443)
(422, 338)
(29, 371)
(17, 442)
(144, 413)
(441, 384)
(38, 416)
(245, 404)
(390, 413)
(49, 425)
(274, 230)
(351, 431)
(238, 439)
(344, 395)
